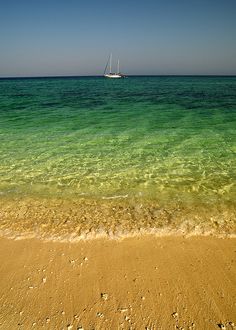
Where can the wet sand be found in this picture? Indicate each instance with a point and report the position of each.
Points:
(145, 282)
(87, 218)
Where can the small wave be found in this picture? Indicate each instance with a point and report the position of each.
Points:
(82, 219)
(119, 235)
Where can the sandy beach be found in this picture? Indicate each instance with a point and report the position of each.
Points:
(144, 282)
(118, 196)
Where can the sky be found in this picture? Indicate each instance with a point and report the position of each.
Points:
(75, 37)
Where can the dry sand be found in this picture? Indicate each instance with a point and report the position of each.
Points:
(135, 283)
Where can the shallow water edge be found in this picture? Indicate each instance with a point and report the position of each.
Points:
(76, 219)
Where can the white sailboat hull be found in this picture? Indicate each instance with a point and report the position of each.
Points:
(114, 76)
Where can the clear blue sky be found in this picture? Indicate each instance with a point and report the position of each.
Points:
(75, 37)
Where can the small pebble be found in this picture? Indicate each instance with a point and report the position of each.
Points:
(104, 296)
(221, 326)
(100, 315)
(69, 326)
(123, 310)
(44, 280)
(175, 314)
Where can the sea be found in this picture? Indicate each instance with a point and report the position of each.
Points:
(88, 157)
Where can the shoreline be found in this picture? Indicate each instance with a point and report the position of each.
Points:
(79, 219)
(118, 237)
(144, 282)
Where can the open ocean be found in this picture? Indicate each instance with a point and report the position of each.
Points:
(87, 156)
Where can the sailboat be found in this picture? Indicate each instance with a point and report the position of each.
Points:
(111, 74)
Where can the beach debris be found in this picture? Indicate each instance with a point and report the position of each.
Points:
(85, 259)
(221, 326)
(47, 319)
(80, 328)
(21, 312)
(34, 324)
(123, 309)
(175, 314)
(101, 315)
(69, 326)
(44, 279)
(127, 318)
(31, 287)
(143, 298)
(104, 296)
(63, 313)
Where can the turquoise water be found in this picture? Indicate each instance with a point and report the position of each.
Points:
(153, 138)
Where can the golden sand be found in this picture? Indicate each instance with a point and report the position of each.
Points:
(145, 282)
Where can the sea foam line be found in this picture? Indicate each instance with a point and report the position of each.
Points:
(118, 235)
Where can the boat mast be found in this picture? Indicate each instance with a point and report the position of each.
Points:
(106, 65)
(118, 66)
(110, 61)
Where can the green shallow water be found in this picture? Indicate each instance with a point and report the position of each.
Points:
(153, 138)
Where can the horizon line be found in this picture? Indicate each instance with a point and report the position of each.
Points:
(131, 75)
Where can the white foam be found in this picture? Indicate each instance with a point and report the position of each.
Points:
(118, 235)
(116, 197)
